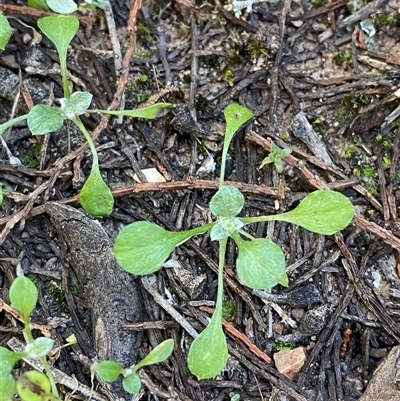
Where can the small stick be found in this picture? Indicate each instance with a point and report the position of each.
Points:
(150, 284)
(8, 309)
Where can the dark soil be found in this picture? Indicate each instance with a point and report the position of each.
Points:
(316, 85)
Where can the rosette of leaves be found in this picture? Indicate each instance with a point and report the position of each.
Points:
(276, 156)
(143, 247)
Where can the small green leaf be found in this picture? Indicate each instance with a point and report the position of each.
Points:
(279, 165)
(109, 370)
(43, 119)
(260, 263)
(323, 212)
(60, 29)
(41, 346)
(7, 385)
(131, 383)
(76, 105)
(1, 195)
(218, 232)
(38, 4)
(23, 295)
(33, 386)
(150, 113)
(227, 202)
(209, 352)
(235, 116)
(225, 227)
(62, 6)
(5, 31)
(276, 155)
(158, 354)
(9, 358)
(143, 247)
(95, 197)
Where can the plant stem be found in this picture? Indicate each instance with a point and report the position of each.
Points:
(28, 331)
(259, 219)
(43, 359)
(201, 229)
(223, 163)
(11, 122)
(49, 376)
(89, 140)
(64, 77)
(221, 264)
(244, 233)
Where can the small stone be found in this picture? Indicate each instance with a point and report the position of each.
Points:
(289, 363)
(26, 38)
(152, 175)
(278, 327)
(301, 297)
(297, 314)
(313, 321)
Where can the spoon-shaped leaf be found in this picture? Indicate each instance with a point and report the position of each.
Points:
(43, 119)
(158, 354)
(5, 31)
(142, 247)
(23, 295)
(62, 6)
(260, 263)
(95, 196)
(131, 383)
(60, 29)
(209, 352)
(323, 212)
(109, 370)
(7, 382)
(8, 359)
(38, 4)
(227, 202)
(150, 113)
(235, 116)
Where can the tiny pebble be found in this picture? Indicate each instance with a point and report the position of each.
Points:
(297, 314)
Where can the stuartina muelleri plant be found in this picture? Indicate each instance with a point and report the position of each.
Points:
(33, 385)
(95, 197)
(143, 247)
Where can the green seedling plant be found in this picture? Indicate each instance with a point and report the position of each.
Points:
(32, 385)
(143, 247)
(37, 386)
(95, 197)
(111, 370)
(276, 156)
